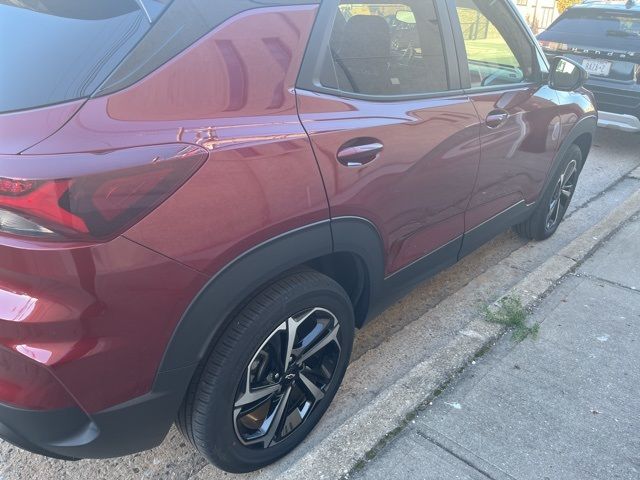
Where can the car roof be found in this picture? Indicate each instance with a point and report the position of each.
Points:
(619, 6)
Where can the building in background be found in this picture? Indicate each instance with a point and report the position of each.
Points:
(538, 13)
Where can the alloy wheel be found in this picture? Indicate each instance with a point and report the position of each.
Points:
(562, 195)
(286, 378)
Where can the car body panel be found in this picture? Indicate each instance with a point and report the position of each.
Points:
(416, 192)
(239, 104)
(249, 190)
(84, 315)
(23, 129)
(517, 155)
(107, 335)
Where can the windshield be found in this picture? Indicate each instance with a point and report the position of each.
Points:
(615, 30)
(61, 50)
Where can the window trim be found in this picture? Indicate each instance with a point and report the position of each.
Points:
(540, 65)
(316, 51)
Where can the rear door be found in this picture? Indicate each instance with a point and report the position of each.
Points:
(395, 137)
(501, 71)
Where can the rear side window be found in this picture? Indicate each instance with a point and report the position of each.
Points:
(615, 30)
(60, 50)
(55, 51)
(498, 50)
(385, 49)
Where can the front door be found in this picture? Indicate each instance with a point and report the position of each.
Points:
(519, 115)
(395, 138)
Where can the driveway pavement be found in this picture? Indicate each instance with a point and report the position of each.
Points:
(564, 406)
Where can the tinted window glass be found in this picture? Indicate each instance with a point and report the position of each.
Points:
(498, 51)
(614, 30)
(386, 49)
(56, 51)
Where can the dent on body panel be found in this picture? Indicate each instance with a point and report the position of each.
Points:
(261, 178)
(231, 77)
(231, 92)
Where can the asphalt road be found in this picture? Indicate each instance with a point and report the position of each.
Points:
(399, 338)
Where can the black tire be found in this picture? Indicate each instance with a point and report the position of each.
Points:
(210, 417)
(539, 226)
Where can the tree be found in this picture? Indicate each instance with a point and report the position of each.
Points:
(562, 5)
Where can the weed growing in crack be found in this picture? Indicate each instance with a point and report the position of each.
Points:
(511, 313)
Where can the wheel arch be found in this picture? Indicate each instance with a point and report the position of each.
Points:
(584, 141)
(347, 249)
(581, 135)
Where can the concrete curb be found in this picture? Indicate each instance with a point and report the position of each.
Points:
(369, 429)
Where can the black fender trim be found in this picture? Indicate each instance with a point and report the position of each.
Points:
(400, 283)
(206, 317)
(228, 289)
(360, 237)
(489, 229)
(588, 125)
(143, 422)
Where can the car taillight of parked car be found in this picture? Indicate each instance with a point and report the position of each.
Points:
(553, 46)
(90, 196)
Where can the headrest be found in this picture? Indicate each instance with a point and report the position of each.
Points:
(366, 36)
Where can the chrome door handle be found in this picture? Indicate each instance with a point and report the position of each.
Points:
(354, 154)
(495, 118)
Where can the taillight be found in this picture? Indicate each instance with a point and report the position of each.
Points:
(555, 46)
(93, 196)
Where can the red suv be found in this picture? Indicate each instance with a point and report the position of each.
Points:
(200, 201)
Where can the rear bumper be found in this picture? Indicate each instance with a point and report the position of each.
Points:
(71, 434)
(82, 334)
(618, 105)
(619, 121)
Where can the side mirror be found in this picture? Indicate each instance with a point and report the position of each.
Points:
(566, 75)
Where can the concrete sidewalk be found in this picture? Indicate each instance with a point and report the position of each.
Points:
(564, 406)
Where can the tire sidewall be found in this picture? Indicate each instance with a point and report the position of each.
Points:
(540, 230)
(226, 449)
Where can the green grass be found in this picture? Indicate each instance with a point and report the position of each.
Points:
(492, 50)
(512, 314)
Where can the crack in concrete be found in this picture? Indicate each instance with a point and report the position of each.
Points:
(612, 283)
(461, 453)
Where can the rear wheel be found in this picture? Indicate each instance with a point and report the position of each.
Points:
(272, 374)
(555, 199)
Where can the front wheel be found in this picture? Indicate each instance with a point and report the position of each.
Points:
(272, 374)
(555, 199)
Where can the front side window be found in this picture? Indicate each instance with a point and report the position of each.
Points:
(498, 51)
(385, 49)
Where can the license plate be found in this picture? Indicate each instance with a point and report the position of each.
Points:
(597, 67)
